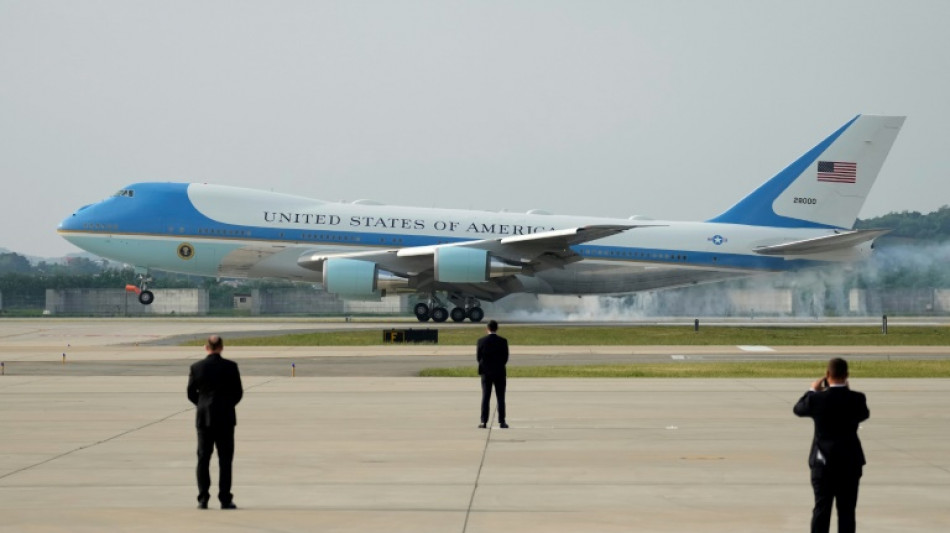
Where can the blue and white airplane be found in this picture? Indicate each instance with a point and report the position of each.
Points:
(802, 217)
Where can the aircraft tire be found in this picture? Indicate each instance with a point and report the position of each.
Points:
(457, 314)
(422, 312)
(146, 297)
(476, 314)
(440, 314)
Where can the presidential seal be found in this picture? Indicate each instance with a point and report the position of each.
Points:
(186, 251)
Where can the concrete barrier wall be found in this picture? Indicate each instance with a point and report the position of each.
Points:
(691, 302)
(942, 300)
(858, 301)
(118, 302)
(294, 301)
(699, 301)
(309, 301)
(764, 301)
(179, 302)
(899, 301)
(387, 305)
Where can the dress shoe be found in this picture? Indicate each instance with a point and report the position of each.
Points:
(229, 505)
(482, 425)
(503, 425)
(202, 505)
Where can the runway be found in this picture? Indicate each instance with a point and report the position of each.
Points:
(151, 347)
(92, 447)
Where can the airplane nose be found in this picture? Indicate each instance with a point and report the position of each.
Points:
(74, 221)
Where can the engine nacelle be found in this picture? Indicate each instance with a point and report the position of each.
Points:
(352, 277)
(349, 276)
(459, 264)
(455, 264)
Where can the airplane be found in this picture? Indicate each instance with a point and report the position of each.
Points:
(800, 218)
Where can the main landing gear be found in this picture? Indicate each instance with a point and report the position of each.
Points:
(435, 309)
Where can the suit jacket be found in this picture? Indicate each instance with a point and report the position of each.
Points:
(492, 354)
(837, 411)
(214, 385)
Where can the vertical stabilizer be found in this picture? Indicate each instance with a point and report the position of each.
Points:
(826, 187)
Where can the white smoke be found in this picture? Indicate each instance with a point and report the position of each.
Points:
(898, 279)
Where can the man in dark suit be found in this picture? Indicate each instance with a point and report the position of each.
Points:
(214, 385)
(836, 458)
(492, 356)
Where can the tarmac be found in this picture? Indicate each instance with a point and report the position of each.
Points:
(104, 450)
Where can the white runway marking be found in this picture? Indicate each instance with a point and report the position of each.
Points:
(756, 349)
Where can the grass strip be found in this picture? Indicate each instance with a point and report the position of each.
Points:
(758, 369)
(636, 336)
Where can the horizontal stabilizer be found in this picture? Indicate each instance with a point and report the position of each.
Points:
(828, 243)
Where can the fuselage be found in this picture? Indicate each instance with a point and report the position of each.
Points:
(223, 231)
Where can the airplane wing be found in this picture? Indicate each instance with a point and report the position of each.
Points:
(827, 243)
(549, 249)
(527, 253)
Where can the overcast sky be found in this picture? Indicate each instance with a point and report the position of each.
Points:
(668, 109)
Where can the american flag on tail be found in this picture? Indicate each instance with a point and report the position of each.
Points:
(837, 172)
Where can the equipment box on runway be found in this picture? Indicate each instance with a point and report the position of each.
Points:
(411, 335)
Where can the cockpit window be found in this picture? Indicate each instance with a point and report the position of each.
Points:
(125, 192)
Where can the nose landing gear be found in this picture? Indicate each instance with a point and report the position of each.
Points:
(146, 297)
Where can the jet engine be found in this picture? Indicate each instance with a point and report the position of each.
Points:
(459, 264)
(352, 277)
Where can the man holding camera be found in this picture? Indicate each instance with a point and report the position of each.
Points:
(836, 458)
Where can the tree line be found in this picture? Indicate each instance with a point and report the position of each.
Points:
(932, 227)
